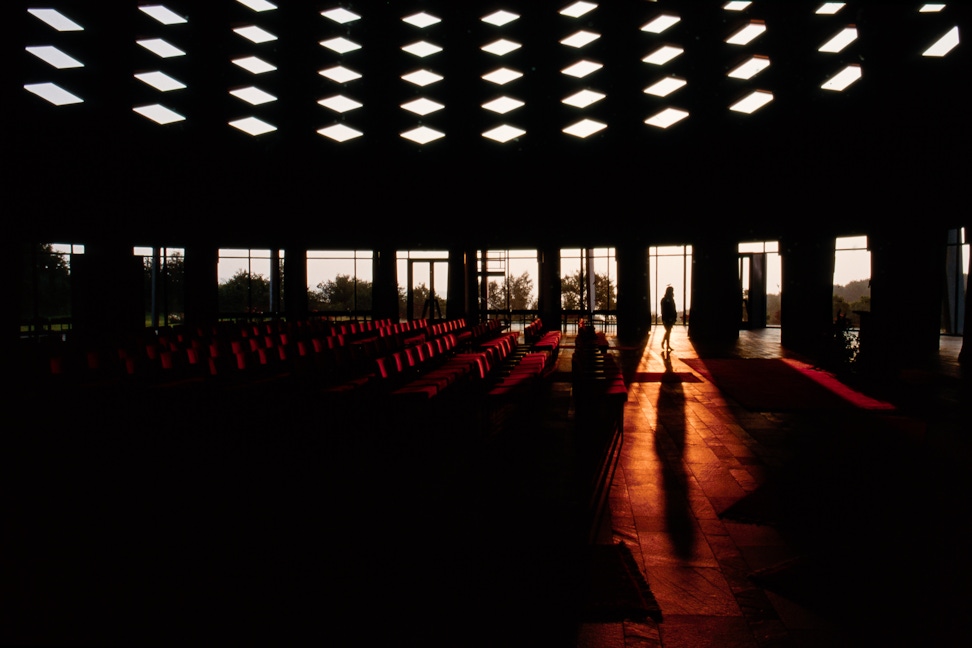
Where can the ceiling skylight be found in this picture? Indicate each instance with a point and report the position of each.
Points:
(253, 95)
(748, 33)
(752, 102)
(840, 40)
(663, 55)
(580, 39)
(254, 65)
(423, 135)
(583, 99)
(160, 81)
(339, 74)
(581, 69)
(666, 118)
(253, 126)
(504, 133)
(55, 57)
(55, 19)
(842, 79)
(660, 24)
(163, 14)
(830, 8)
(422, 106)
(422, 49)
(749, 68)
(945, 44)
(585, 128)
(500, 18)
(255, 34)
(503, 105)
(340, 103)
(341, 16)
(736, 6)
(665, 87)
(577, 9)
(502, 76)
(340, 45)
(53, 93)
(161, 48)
(422, 78)
(159, 114)
(258, 5)
(501, 47)
(931, 7)
(340, 132)
(421, 20)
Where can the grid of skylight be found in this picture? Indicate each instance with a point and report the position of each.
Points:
(158, 79)
(660, 29)
(251, 96)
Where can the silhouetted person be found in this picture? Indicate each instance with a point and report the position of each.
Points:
(668, 314)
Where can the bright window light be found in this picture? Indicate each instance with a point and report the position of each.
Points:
(748, 33)
(752, 102)
(585, 128)
(500, 18)
(253, 126)
(663, 55)
(666, 118)
(736, 6)
(501, 47)
(577, 9)
(160, 81)
(750, 68)
(422, 106)
(340, 45)
(55, 19)
(422, 135)
(840, 40)
(931, 7)
(422, 78)
(254, 65)
(340, 132)
(159, 114)
(944, 45)
(422, 49)
(253, 95)
(503, 105)
(255, 34)
(502, 76)
(583, 99)
(53, 93)
(660, 24)
(55, 57)
(830, 8)
(504, 133)
(161, 48)
(665, 87)
(842, 79)
(341, 16)
(339, 74)
(340, 103)
(257, 5)
(580, 39)
(163, 14)
(581, 69)
(421, 20)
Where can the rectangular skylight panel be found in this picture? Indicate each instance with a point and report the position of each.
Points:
(163, 14)
(585, 128)
(748, 33)
(736, 6)
(843, 79)
(340, 103)
(161, 48)
(53, 93)
(504, 133)
(422, 78)
(660, 24)
(840, 40)
(665, 87)
(580, 39)
(663, 55)
(253, 95)
(258, 5)
(583, 99)
(255, 34)
(422, 135)
(55, 57)
(55, 19)
(500, 18)
(945, 44)
(752, 102)
(931, 7)
(422, 106)
(502, 76)
(422, 49)
(340, 45)
(581, 69)
(340, 74)
(254, 65)
(578, 9)
(253, 126)
(421, 20)
(159, 114)
(666, 118)
(340, 132)
(830, 8)
(160, 81)
(750, 68)
(340, 16)
(503, 105)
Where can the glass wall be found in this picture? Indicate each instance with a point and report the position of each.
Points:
(340, 282)
(852, 279)
(670, 265)
(46, 296)
(164, 273)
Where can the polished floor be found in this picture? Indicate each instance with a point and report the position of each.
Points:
(857, 532)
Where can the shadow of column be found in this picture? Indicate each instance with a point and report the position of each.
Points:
(670, 450)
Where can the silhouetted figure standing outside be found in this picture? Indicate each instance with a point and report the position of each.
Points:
(669, 315)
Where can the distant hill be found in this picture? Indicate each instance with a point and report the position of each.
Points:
(854, 290)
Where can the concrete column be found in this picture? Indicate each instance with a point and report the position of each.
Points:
(202, 284)
(548, 289)
(807, 294)
(295, 283)
(716, 296)
(384, 295)
(107, 291)
(634, 293)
